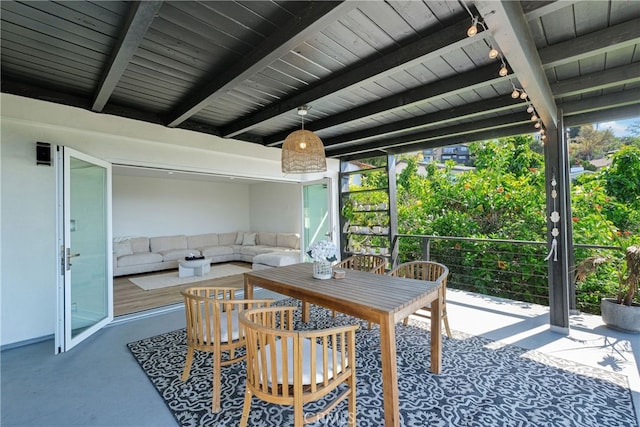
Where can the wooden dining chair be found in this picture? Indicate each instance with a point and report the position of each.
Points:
(371, 263)
(213, 326)
(433, 272)
(290, 367)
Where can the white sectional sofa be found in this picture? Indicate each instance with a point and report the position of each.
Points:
(144, 254)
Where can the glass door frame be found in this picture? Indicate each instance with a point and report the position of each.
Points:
(330, 217)
(64, 337)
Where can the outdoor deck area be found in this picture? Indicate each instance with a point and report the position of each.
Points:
(100, 384)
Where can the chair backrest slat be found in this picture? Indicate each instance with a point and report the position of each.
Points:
(370, 263)
(291, 367)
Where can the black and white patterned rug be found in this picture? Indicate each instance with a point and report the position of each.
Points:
(482, 383)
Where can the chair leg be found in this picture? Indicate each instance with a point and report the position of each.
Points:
(298, 416)
(351, 416)
(446, 326)
(215, 403)
(405, 322)
(333, 313)
(187, 364)
(246, 408)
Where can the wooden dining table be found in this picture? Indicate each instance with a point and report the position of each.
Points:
(377, 298)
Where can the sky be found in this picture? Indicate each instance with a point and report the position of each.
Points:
(619, 127)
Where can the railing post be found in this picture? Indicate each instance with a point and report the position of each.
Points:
(426, 249)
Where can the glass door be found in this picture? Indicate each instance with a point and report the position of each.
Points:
(316, 211)
(85, 290)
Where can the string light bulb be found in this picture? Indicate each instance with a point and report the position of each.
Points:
(503, 71)
(530, 109)
(534, 117)
(523, 95)
(515, 93)
(473, 29)
(538, 125)
(493, 53)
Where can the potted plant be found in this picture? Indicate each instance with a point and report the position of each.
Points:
(623, 311)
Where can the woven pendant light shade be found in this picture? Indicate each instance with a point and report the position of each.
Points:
(303, 152)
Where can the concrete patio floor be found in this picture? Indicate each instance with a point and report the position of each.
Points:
(99, 383)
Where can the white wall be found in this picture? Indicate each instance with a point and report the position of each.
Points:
(28, 207)
(275, 207)
(144, 206)
(29, 254)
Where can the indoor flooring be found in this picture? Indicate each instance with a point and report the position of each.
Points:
(128, 298)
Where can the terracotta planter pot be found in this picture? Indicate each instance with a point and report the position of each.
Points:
(622, 317)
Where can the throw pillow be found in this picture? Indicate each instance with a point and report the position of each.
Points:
(249, 239)
(239, 237)
(122, 248)
(288, 240)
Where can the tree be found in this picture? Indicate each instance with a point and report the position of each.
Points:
(592, 144)
(623, 176)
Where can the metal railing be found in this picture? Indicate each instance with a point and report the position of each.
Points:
(513, 269)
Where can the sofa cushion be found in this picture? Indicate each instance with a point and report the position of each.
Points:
(122, 248)
(213, 251)
(249, 239)
(267, 239)
(227, 239)
(139, 258)
(277, 259)
(250, 250)
(139, 244)
(165, 243)
(176, 254)
(203, 240)
(288, 240)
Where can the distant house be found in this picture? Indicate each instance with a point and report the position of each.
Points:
(457, 153)
(601, 163)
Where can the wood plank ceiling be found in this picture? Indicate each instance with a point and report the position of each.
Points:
(379, 76)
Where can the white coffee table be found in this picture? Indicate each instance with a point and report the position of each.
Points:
(196, 267)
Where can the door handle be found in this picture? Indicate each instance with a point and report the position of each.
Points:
(68, 258)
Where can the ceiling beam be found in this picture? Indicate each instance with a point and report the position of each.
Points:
(422, 50)
(141, 15)
(595, 103)
(595, 81)
(316, 16)
(503, 132)
(537, 9)
(467, 111)
(510, 30)
(456, 84)
(458, 129)
(611, 114)
(359, 152)
(606, 40)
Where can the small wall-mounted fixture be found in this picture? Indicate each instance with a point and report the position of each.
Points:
(43, 153)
